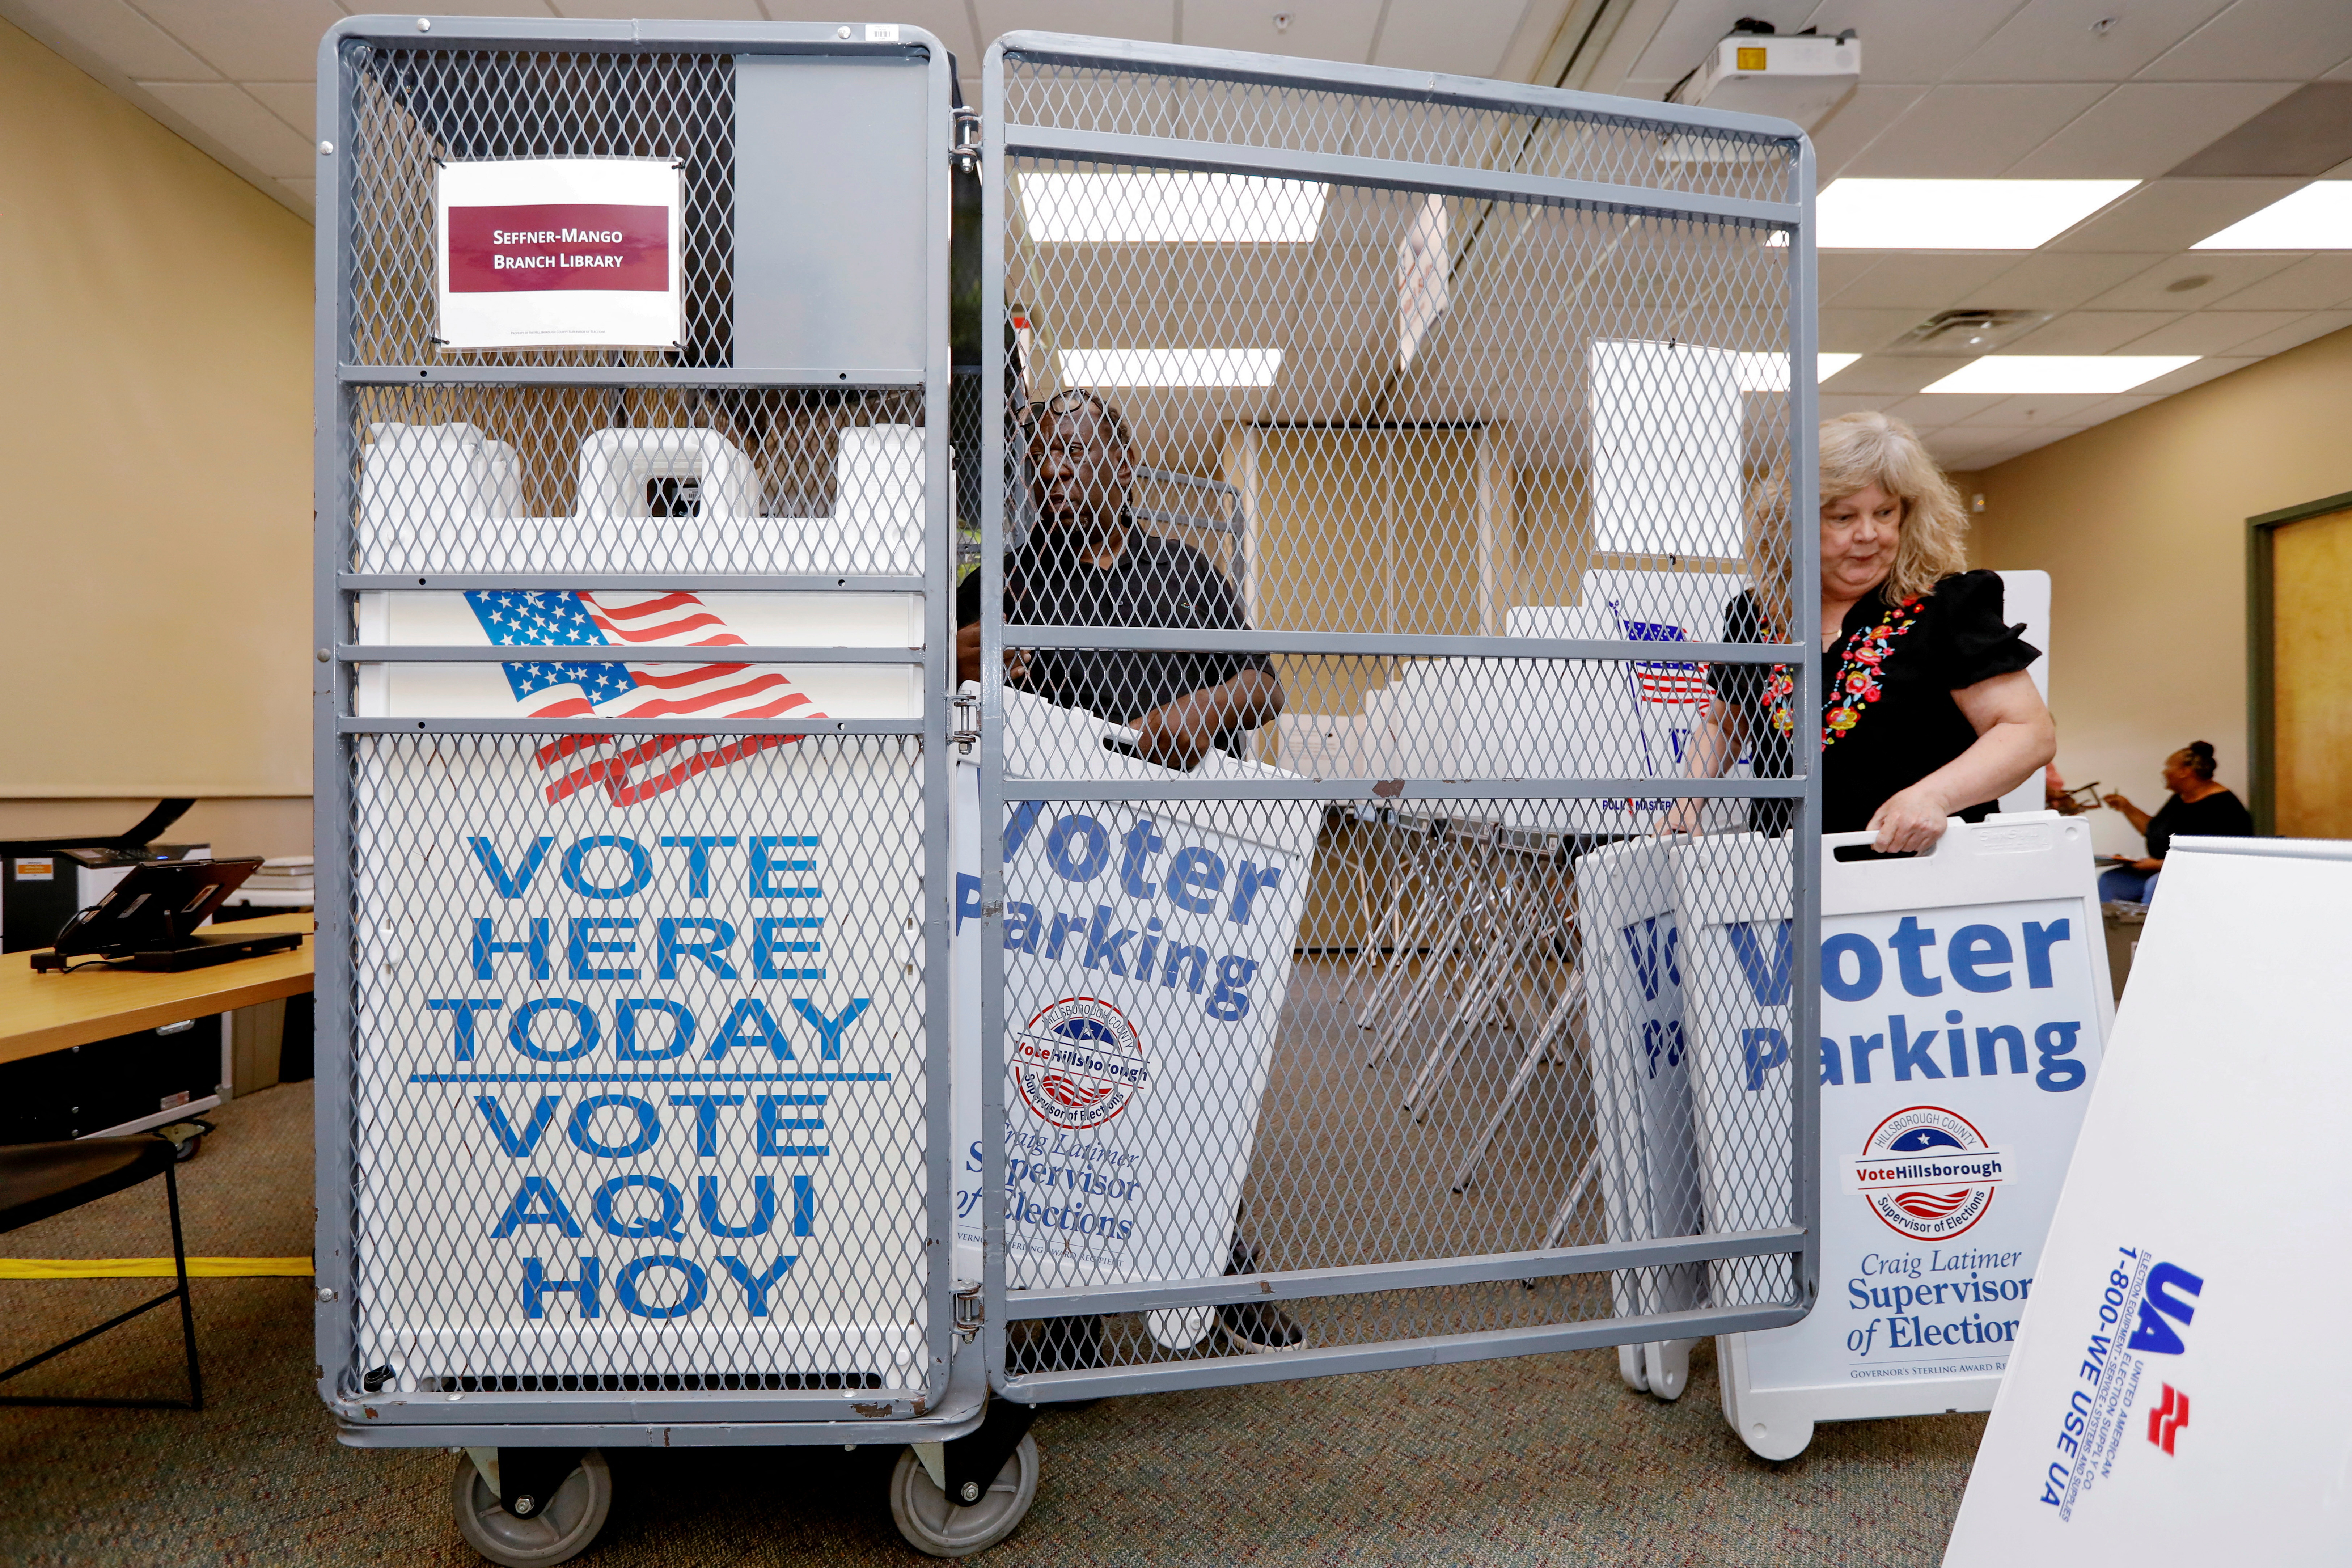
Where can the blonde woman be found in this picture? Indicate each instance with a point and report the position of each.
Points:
(1926, 710)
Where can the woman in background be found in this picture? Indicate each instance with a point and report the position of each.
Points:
(1926, 710)
(2197, 805)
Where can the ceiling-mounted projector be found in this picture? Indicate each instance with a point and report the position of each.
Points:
(1800, 76)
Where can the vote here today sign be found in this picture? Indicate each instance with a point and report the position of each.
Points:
(560, 253)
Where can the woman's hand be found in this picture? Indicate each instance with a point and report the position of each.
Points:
(2118, 803)
(1682, 817)
(1911, 822)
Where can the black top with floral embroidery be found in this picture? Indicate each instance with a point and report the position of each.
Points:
(1892, 715)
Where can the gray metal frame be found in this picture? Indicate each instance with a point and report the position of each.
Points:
(951, 1403)
(1793, 215)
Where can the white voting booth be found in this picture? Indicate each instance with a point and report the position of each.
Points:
(2153, 1412)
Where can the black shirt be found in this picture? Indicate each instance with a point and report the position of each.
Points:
(1912, 728)
(1155, 582)
(2221, 816)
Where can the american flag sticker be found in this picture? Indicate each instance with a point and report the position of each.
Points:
(632, 768)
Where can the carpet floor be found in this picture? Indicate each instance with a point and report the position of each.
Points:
(1539, 1460)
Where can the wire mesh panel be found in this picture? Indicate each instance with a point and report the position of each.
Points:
(632, 761)
(1365, 437)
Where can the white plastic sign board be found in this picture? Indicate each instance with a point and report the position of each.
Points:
(2160, 1406)
(1731, 901)
(640, 1072)
(2025, 599)
(1964, 1002)
(560, 253)
(1640, 1072)
(1148, 953)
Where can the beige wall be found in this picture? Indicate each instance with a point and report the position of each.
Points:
(155, 436)
(2141, 524)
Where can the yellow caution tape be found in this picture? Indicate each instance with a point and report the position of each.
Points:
(150, 1267)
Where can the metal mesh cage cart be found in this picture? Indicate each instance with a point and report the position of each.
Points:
(632, 707)
(1332, 1010)
(735, 1028)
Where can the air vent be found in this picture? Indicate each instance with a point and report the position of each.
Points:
(1966, 331)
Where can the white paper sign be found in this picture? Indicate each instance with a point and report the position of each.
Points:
(560, 253)
(1147, 954)
(639, 1077)
(2166, 1402)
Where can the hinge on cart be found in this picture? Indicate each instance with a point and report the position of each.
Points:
(966, 149)
(968, 1314)
(967, 730)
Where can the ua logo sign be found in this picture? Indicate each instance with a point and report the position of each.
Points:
(2154, 1336)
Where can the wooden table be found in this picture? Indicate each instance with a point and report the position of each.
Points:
(44, 1013)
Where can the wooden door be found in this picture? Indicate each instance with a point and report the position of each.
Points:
(2311, 664)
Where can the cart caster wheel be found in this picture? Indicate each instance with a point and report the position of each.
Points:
(183, 1152)
(557, 1534)
(938, 1527)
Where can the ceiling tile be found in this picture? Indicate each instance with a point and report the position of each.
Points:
(1945, 408)
(2038, 410)
(2212, 332)
(1151, 20)
(2152, 289)
(2019, 445)
(2053, 40)
(1835, 270)
(239, 123)
(1928, 280)
(1844, 331)
(2143, 128)
(1860, 121)
(2055, 280)
(116, 35)
(2270, 40)
(1319, 29)
(1903, 41)
(2307, 132)
(1833, 404)
(295, 102)
(1689, 33)
(666, 10)
(1887, 373)
(2172, 215)
(1962, 450)
(1973, 132)
(2317, 324)
(2090, 332)
(534, 8)
(265, 41)
(2311, 283)
(1431, 36)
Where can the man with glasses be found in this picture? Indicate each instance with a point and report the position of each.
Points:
(1086, 564)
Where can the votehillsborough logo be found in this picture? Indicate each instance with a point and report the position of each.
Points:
(1079, 1063)
(1927, 1173)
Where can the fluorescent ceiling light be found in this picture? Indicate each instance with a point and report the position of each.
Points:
(2317, 217)
(1769, 373)
(1170, 367)
(1169, 207)
(1955, 215)
(2059, 374)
